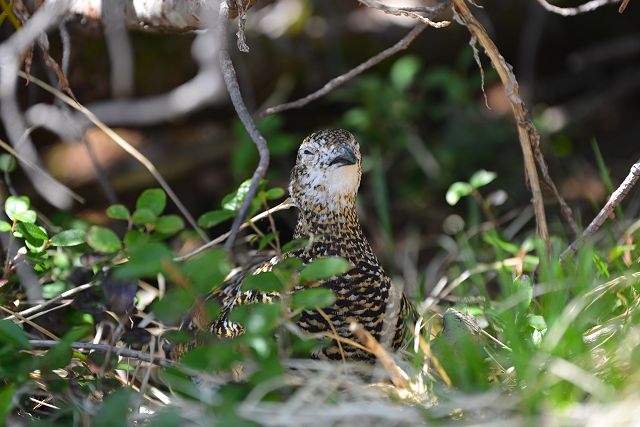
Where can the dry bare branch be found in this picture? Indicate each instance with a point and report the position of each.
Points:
(573, 11)
(411, 12)
(616, 198)
(10, 52)
(340, 80)
(399, 378)
(126, 147)
(150, 15)
(281, 207)
(119, 351)
(505, 71)
(119, 47)
(230, 79)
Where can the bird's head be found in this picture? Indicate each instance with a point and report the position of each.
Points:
(327, 170)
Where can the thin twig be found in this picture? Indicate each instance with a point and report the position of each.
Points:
(44, 173)
(120, 351)
(287, 204)
(573, 11)
(466, 18)
(409, 12)
(340, 80)
(54, 300)
(125, 146)
(566, 211)
(616, 198)
(229, 74)
(399, 378)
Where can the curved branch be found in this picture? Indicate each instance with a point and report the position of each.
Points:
(229, 74)
(573, 11)
(525, 127)
(340, 80)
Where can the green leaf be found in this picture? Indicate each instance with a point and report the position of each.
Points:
(482, 178)
(404, 71)
(115, 409)
(60, 355)
(537, 322)
(103, 240)
(233, 201)
(265, 240)
(264, 282)
(324, 268)
(144, 261)
(28, 216)
(6, 398)
(173, 306)
(7, 164)
(169, 224)
(456, 191)
(33, 233)
(4, 226)
(153, 199)
(54, 289)
(213, 218)
(15, 205)
(312, 298)
(295, 244)
(71, 237)
(143, 216)
(12, 334)
(135, 238)
(207, 270)
(274, 193)
(118, 212)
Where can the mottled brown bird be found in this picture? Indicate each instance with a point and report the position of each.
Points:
(323, 186)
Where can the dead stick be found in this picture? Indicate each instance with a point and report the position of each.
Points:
(616, 198)
(341, 79)
(399, 378)
(120, 351)
(229, 74)
(517, 106)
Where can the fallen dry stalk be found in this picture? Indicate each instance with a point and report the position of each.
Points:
(398, 377)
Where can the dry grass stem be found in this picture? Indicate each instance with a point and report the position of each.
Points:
(126, 147)
(399, 378)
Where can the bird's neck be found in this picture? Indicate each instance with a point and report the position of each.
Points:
(335, 220)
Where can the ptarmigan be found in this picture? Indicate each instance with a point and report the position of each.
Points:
(323, 186)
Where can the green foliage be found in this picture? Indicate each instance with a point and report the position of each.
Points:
(324, 268)
(103, 240)
(458, 190)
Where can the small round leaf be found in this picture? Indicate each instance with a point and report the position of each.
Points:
(69, 238)
(103, 240)
(118, 212)
(153, 199)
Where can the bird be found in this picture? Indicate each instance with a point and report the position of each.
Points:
(323, 187)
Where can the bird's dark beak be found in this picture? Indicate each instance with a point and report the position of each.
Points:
(345, 157)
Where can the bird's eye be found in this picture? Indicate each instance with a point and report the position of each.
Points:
(307, 152)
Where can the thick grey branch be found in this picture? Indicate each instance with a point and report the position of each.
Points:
(48, 15)
(150, 15)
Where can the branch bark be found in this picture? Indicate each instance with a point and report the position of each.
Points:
(230, 79)
(573, 11)
(525, 126)
(616, 198)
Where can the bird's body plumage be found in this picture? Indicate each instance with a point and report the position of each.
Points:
(323, 186)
